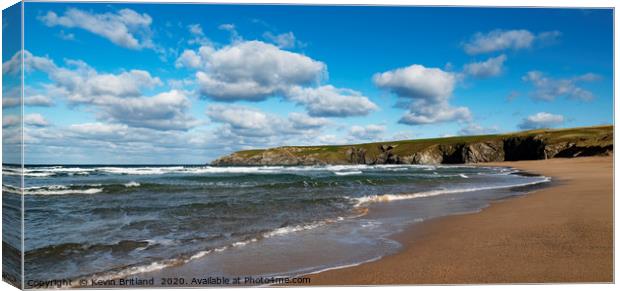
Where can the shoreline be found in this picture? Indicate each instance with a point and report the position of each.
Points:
(560, 233)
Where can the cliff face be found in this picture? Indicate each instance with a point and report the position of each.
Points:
(532, 145)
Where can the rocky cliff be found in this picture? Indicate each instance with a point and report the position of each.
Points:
(528, 145)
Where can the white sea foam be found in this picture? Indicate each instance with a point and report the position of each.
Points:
(132, 184)
(394, 197)
(348, 173)
(161, 170)
(290, 229)
(62, 191)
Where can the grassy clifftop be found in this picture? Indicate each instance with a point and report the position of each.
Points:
(532, 144)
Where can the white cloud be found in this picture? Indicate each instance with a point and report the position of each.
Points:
(329, 101)
(417, 82)
(368, 132)
(549, 89)
(247, 127)
(189, 59)
(283, 40)
(119, 143)
(8, 102)
(303, 121)
(125, 27)
(118, 97)
(423, 113)
(99, 130)
(429, 90)
(541, 120)
(250, 70)
(35, 119)
(498, 40)
(35, 100)
(255, 70)
(476, 129)
(164, 111)
(241, 117)
(32, 119)
(489, 68)
(10, 120)
(13, 65)
(31, 62)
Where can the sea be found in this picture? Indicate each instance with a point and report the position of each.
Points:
(106, 222)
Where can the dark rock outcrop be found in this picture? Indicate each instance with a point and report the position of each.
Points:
(524, 148)
(483, 152)
(356, 155)
(494, 149)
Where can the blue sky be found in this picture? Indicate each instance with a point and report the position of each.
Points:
(149, 83)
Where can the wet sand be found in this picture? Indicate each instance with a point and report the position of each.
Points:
(562, 233)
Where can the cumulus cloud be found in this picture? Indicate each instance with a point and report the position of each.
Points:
(35, 119)
(120, 143)
(242, 118)
(35, 100)
(368, 132)
(98, 129)
(32, 119)
(255, 71)
(246, 126)
(125, 27)
(164, 111)
(329, 101)
(422, 113)
(541, 120)
(189, 59)
(250, 70)
(548, 89)
(428, 91)
(498, 40)
(417, 82)
(117, 97)
(485, 69)
(303, 121)
(31, 62)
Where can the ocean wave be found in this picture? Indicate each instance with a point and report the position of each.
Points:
(65, 249)
(348, 173)
(71, 188)
(60, 191)
(50, 171)
(395, 197)
(132, 184)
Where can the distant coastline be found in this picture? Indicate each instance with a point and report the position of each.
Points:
(526, 145)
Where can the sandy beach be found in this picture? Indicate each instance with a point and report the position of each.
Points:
(562, 233)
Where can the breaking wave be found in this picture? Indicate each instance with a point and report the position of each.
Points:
(394, 197)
